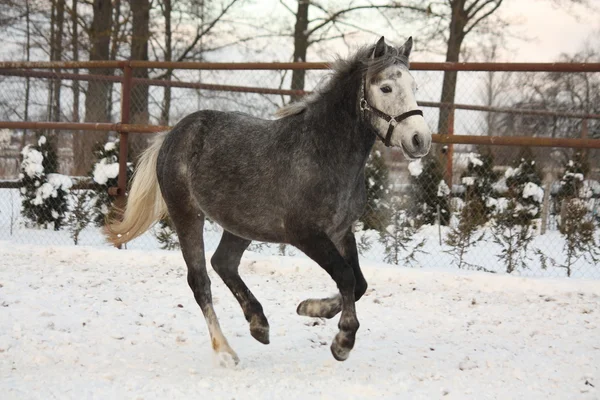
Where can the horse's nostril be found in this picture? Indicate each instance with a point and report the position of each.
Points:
(416, 141)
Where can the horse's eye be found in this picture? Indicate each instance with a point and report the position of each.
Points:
(386, 89)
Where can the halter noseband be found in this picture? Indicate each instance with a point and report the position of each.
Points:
(391, 120)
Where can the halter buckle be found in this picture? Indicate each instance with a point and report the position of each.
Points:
(393, 122)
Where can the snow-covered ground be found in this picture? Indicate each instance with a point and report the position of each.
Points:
(87, 322)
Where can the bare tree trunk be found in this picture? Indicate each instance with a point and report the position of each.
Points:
(139, 51)
(57, 47)
(96, 107)
(166, 108)
(28, 58)
(114, 48)
(457, 25)
(75, 45)
(49, 108)
(300, 45)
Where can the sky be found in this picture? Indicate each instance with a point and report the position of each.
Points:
(542, 30)
(553, 29)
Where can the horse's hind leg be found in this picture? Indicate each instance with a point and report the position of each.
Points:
(226, 261)
(329, 307)
(322, 250)
(189, 227)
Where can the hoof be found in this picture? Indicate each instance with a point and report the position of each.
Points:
(260, 333)
(339, 353)
(341, 346)
(320, 308)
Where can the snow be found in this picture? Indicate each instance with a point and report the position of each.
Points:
(42, 141)
(50, 188)
(534, 191)
(104, 171)
(474, 159)
(109, 146)
(443, 190)
(510, 172)
(415, 168)
(468, 181)
(84, 322)
(60, 181)
(32, 162)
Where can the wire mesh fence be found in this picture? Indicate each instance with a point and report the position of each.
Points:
(531, 211)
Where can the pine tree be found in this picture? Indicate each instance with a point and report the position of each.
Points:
(377, 184)
(105, 174)
(572, 181)
(399, 236)
(513, 228)
(80, 215)
(44, 192)
(576, 224)
(478, 180)
(428, 192)
(166, 235)
(463, 237)
(578, 230)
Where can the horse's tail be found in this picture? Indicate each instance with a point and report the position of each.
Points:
(145, 204)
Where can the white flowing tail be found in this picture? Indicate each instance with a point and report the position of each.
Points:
(145, 204)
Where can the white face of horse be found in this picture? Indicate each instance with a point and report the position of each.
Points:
(393, 92)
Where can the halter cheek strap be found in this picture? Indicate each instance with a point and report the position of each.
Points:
(391, 120)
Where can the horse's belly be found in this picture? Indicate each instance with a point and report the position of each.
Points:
(264, 225)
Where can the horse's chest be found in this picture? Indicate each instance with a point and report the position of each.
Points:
(351, 207)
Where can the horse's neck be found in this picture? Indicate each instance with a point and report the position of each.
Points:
(346, 137)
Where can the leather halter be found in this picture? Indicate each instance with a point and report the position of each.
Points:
(391, 120)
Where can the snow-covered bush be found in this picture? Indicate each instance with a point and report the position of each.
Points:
(574, 185)
(44, 193)
(398, 238)
(478, 181)
(428, 192)
(376, 212)
(514, 215)
(462, 237)
(105, 173)
(572, 181)
(578, 230)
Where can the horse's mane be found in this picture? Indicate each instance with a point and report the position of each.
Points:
(343, 69)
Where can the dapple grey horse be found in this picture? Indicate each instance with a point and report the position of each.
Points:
(297, 180)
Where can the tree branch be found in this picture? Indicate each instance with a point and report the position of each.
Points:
(484, 16)
(339, 13)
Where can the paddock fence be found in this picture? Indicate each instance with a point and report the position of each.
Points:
(518, 138)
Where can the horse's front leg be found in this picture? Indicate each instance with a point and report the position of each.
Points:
(319, 247)
(329, 307)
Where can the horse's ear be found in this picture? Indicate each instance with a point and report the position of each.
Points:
(406, 48)
(380, 48)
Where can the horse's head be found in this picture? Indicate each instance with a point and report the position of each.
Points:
(389, 98)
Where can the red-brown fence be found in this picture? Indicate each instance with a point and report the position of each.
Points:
(126, 79)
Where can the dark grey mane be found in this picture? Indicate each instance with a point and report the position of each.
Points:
(346, 73)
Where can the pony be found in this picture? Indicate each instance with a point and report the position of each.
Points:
(297, 179)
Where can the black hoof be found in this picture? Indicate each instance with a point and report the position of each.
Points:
(260, 333)
(341, 346)
(339, 353)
